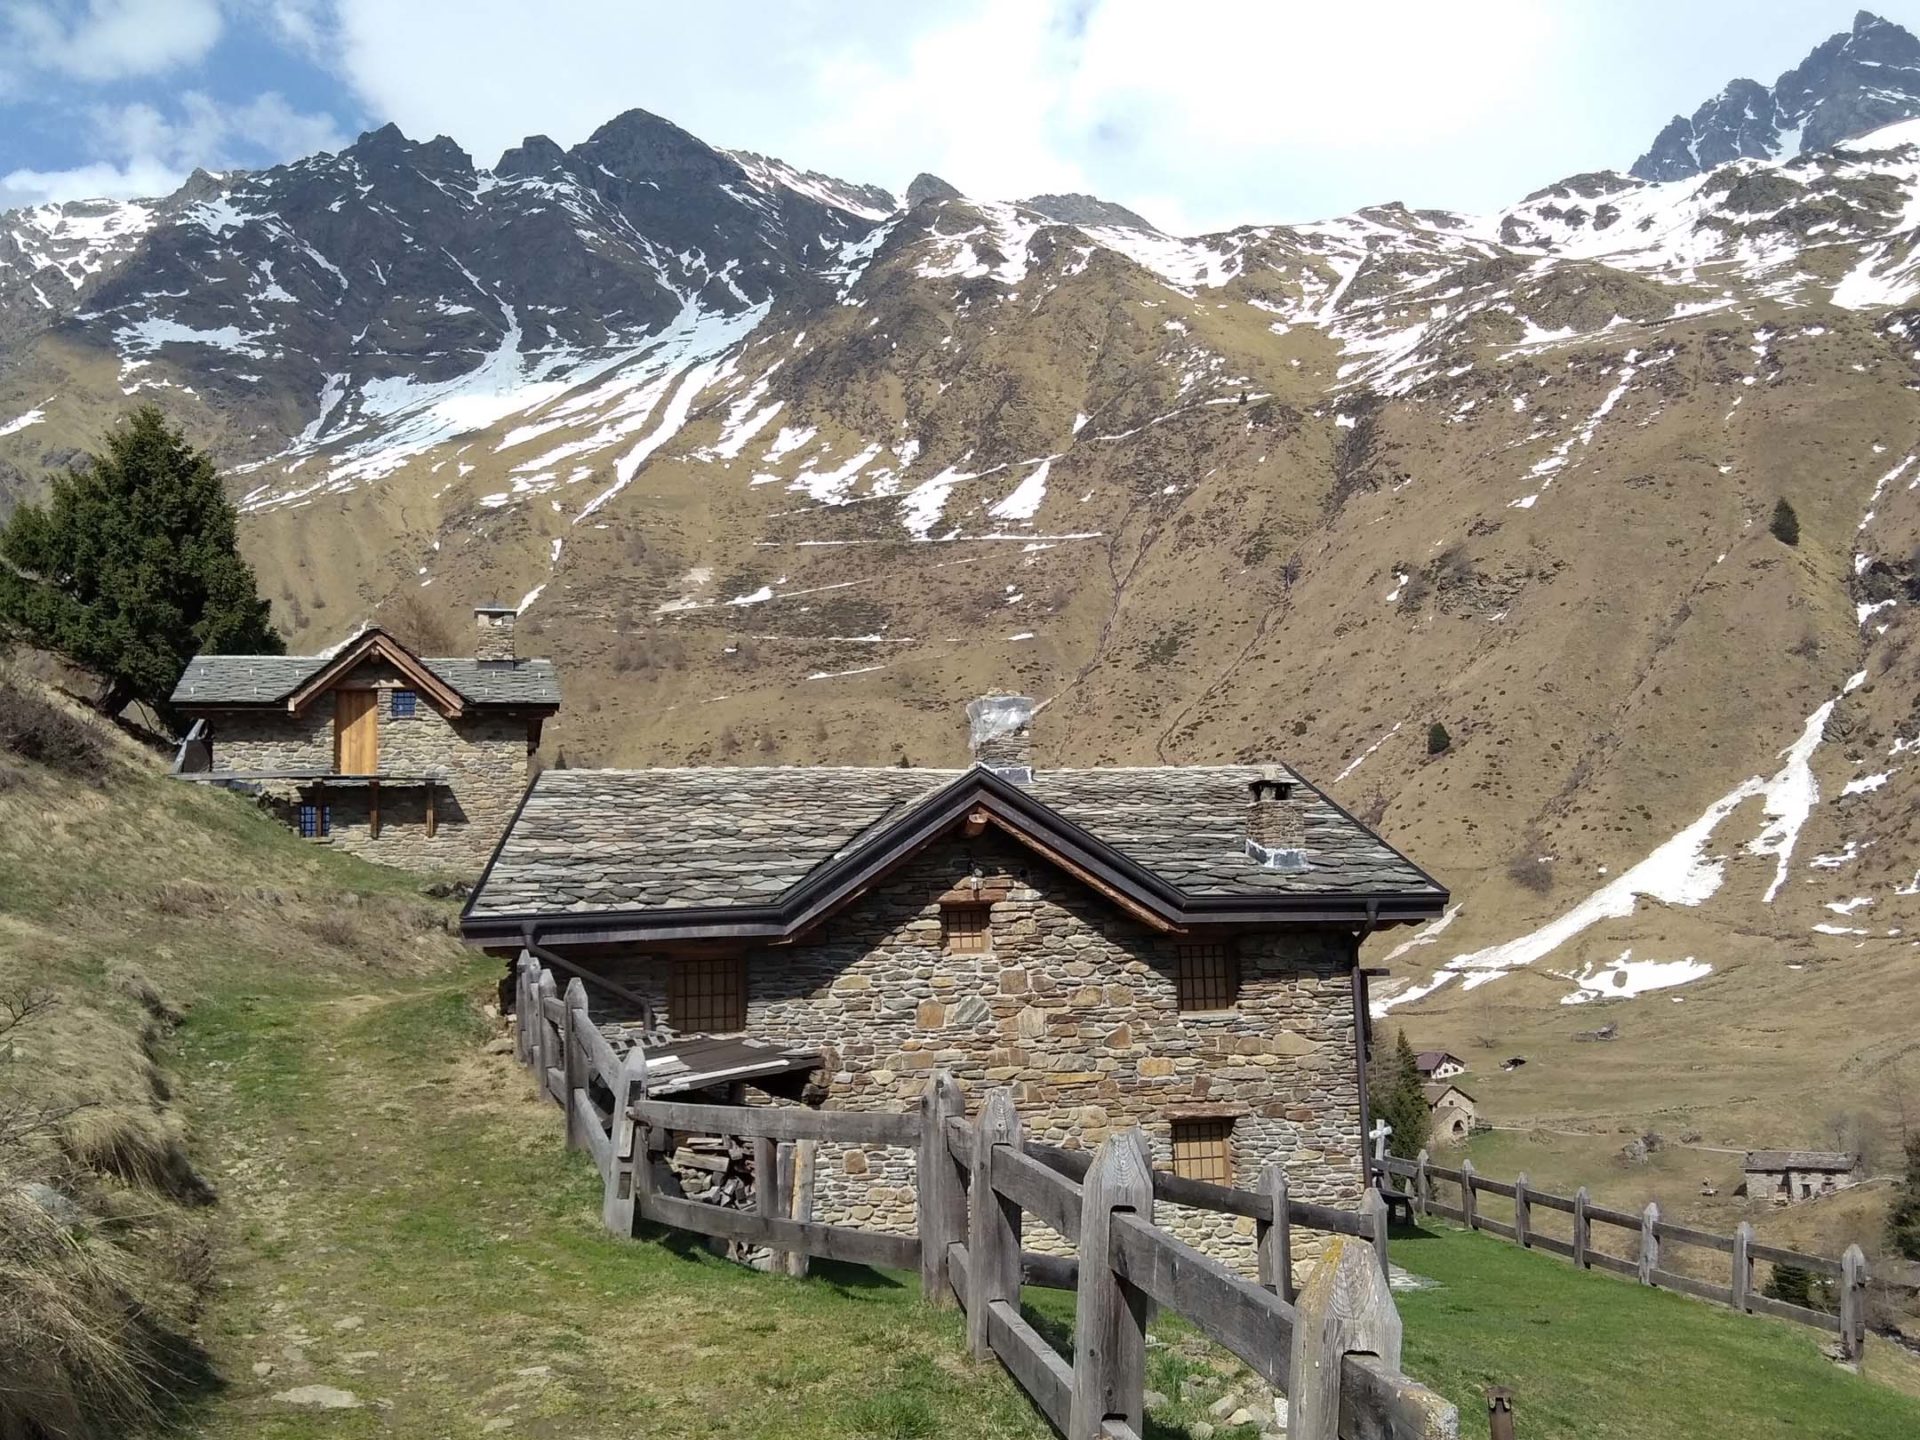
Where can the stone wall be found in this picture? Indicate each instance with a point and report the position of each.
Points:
(483, 756)
(1076, 1009)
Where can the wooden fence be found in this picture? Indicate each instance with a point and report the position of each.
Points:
(1333, 1349)
(1653, 1237)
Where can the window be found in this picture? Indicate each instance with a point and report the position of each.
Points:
(708, 997)
(315, 821)
(967, 929)
(404, 704)
(1209, 977)
(1203, 1150)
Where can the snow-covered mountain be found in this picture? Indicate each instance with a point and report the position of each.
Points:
(1853, 82)
(782, 466)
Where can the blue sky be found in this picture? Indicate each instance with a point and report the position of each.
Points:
(1201, 115)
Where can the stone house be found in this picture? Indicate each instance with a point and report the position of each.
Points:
(414, 761)
(1436, 1065)
(1786, 1176)
(1454, 1113)
(1172, 946)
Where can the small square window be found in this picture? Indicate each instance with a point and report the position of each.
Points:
(1203, 1150)
(708, 997)
(316, 821)
(404, 703)
(967, 929)
(1208, 977)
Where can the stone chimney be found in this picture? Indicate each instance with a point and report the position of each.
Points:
(493, 639)
(1000, 733)
(1276, 821)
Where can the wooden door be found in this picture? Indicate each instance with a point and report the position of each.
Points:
(356, 732)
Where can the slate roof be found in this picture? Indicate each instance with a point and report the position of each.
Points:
(610, 841)
(1826, 1160)
(212, 681)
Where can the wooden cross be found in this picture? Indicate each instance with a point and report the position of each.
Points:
(1381, 1130)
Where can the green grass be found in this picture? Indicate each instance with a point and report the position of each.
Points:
(1598, 1357)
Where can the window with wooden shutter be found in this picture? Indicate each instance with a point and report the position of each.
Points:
(1208, 976)
(967, 929)
(707, 997)
(1203, 1150)
(406, 704)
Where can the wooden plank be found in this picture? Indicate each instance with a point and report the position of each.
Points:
(1766, 1305)
(1040, 1191)
(1550, 1244)
(827, 1242)
(556, 1084)
(1482, 1185)
(783, 1198)
(573, 1060)
(1447, 1212)
(783, 1122)
(1110, 1319)
(1032, 1361)
(554, 1009)
(1440, 1172)
(1422, 1184)
(1687, 1285)
(1601, 1260)
(617, 1206)
(592, 1136)
(1522, 1211)
(993, 1221)
(957, 1271)
(940, 1187)
(1494, 1227)
(1550, 1201)
(1582, 1231)
(1373, 1209)
(1179, 1190)
(599, 1054)
(1346, 1308)
(1394, 1165)
(1742, 1265)
(1626, 1220)
(1687, 1235)
(1466, 1193)
(1774, 1255)
(1649, 1242)
(959, 1137)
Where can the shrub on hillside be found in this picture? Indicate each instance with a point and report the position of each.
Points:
(1530, 872)
(1438, 740)
(1785, 525)
(36, 729)
(1903, 1215)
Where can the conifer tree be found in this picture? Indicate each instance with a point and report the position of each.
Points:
(132, 565)
(1785, 523)
(1395, 1095)
(1438, 740)
(1903, 1215)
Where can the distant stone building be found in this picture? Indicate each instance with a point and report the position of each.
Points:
(1439, 1064)
(414, 761)
(1454, 1113)
(1169, 946)
(1786, 1176)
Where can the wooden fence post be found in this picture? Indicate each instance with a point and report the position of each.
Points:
(551, 1054)
(941, 1194)
(1649, 1242)
(573, 1060)
(1853, 1303)
(783, 1199)
(522, 1032)
(1581, 1227)
(1110, 1317)
(1466, 1192)
(1275, 1237)
(1522, 1212)
(1374, 1210)
(1345, 1309)
(993, 1223)
(805, 1153)
(1421, 1184)
(618, 1208)
(1742, 1265)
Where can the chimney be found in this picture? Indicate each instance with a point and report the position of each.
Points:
(494, 624)
(1000, 734)
(1276, 822)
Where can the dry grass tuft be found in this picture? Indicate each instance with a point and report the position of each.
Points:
(137, 1147)
(36, 729)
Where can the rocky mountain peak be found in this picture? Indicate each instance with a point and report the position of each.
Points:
(1088, 210)
(1852, 82)
(927, 187)
(535, 155)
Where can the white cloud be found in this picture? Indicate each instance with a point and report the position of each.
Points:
(110, 39)
(144, 152)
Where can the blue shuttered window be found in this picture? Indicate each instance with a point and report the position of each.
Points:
(315, 821)
(404, 704)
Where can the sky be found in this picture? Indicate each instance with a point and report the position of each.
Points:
(1201, 115)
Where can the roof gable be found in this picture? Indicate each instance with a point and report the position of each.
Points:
(763, 852)
(216, 682)
(376, 644)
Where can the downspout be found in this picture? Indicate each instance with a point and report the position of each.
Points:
(1360, 1028)
(632, 997)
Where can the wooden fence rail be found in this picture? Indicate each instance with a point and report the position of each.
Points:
(1651, 1235)
(1334, 1350)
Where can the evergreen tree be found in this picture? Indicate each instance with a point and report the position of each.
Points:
(132, 566)
(1903, 1215)
(1438, 741)
(1785, 524)
(1394, 1094)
